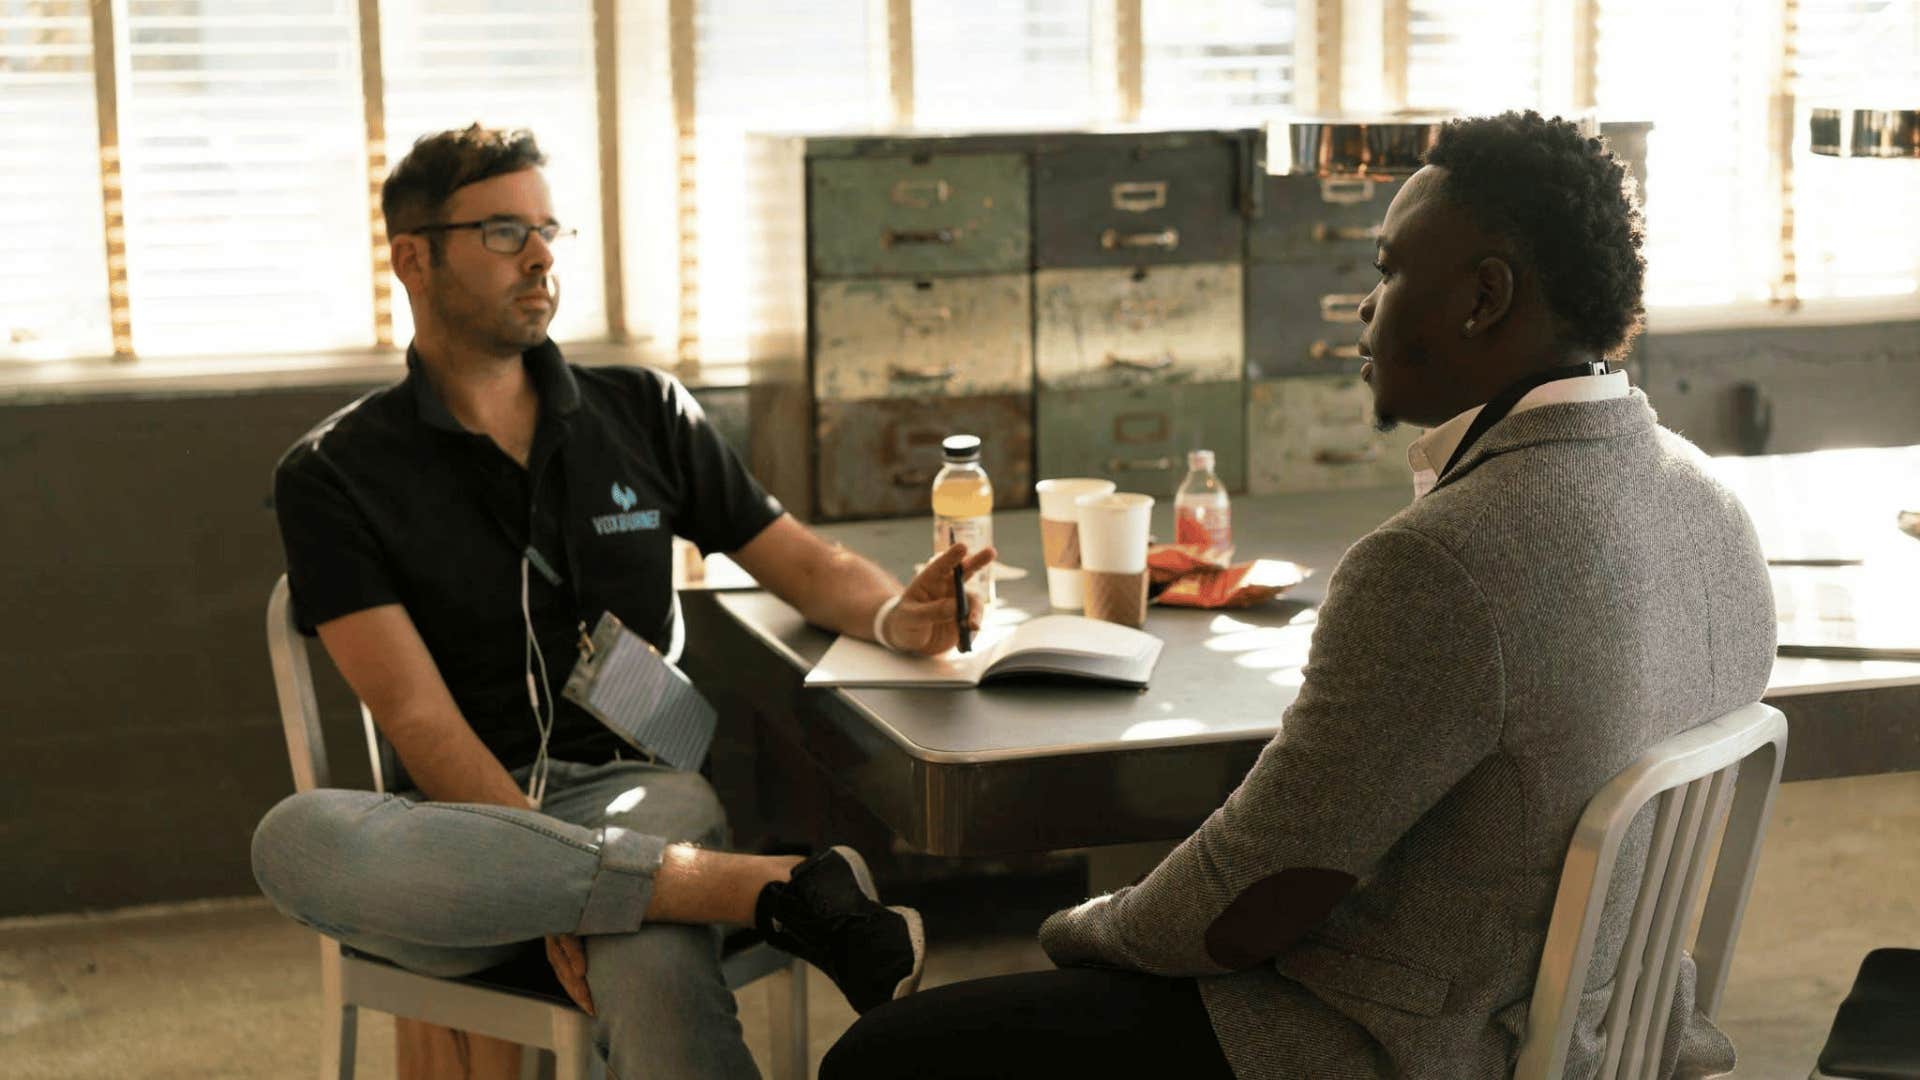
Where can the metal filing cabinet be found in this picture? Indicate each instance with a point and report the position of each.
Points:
(1309, 265)
(980, 282)
(1316, 433)
(904, 313)
(1138, 305)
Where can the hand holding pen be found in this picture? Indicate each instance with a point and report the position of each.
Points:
(924, 621)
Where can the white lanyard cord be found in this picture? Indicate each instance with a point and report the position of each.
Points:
(537, 776)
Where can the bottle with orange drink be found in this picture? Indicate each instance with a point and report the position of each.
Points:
(963, 502)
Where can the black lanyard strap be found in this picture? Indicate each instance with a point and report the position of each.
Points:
(1497, 409)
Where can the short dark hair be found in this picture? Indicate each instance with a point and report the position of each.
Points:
(417, 190)
(1567, 204)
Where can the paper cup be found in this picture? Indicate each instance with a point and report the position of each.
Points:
(1060, 536)
(1113, 555)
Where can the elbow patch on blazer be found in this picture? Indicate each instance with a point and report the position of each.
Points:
(1273, 913)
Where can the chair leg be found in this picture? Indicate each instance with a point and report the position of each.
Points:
(574, 1057)
(341, 1019)
(531, 1059)
(787, 1014)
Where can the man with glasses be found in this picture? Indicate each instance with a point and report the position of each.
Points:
(450, 539)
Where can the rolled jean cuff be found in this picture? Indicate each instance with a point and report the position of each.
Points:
(623, 885)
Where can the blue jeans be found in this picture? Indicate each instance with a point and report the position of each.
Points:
(454, 888)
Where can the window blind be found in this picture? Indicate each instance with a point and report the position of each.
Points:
(1002, 63)
(765, 67)
(1474, 56)
(53, 259)
(507, 63)
(244, 154)
(1219, 62)
(1856, 222)
(1700, 70)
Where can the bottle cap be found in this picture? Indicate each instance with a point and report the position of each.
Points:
(1200, 459)
(961, 448)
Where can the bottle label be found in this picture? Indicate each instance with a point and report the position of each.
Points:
(975, 532)
(1207, 527)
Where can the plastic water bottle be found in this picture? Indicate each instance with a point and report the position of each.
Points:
(1201, 516)
(963, 502)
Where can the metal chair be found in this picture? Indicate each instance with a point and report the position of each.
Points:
(501, 1003)
(1876, 1032)
(1694, 776)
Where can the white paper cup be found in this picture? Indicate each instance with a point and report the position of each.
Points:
(1057, 511)
(1113, 555)
(1113, 531)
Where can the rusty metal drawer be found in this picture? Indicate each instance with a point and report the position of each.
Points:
(919, 214)
(1138, 201)
(1307, 219)
(1316, 433)
(1123, 327)
(1304, 319)
(1138, 436)
(925, 337)
(877, 458)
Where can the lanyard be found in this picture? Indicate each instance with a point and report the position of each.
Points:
(1496, 410)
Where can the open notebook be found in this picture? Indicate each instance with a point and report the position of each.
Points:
(1067, 645)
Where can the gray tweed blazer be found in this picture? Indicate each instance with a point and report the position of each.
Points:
(1575, 589)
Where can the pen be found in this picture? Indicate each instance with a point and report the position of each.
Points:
(960, 609)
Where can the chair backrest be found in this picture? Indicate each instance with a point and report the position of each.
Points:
(1737, 758)
(299, 709)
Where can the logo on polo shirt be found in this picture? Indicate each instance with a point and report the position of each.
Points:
(628, 519)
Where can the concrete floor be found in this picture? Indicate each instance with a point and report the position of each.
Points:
(230, 989)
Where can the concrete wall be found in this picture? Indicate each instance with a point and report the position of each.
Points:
(137, 716)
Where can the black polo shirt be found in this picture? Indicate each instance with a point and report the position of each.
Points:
(391, 501)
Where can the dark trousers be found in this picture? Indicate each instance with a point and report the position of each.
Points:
(1070, 1022)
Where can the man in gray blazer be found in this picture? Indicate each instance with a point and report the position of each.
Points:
(1568, 587)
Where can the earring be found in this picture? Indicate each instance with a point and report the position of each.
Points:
(1468, 328)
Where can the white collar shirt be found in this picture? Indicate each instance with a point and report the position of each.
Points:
(1429, 453)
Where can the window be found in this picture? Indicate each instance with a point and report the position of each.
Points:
(765, 68)
(507, 63)
(241, 165)
(53, 255)
(245, 160)
(1473, 56)
(1856, 224)
(1217, 62)
(1002, 63)
(1712, 234)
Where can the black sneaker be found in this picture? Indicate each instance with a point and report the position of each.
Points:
(829, 914)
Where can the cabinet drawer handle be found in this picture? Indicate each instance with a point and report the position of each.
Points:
(923, 374)
(1342, 307)
(1166, 239)
(1347, 457)
(919, 194)
(1324, 233)
(925, 320)
(1142, 363)
(1141, 427)
(899, 237)
(1121, 465)
(1139, 196)
(1345, 192)
(1320, 350)
(913, 478)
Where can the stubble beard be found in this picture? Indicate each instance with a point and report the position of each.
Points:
(500, 329)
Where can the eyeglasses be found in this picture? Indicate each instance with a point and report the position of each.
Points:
(503, 235)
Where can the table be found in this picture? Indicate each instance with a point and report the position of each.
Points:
(1038, 767)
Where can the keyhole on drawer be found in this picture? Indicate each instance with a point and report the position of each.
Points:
(923, 286)
(1139, 274)
(920, 158)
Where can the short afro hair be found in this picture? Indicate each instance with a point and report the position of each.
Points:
(1569, 207)
(417, 190)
